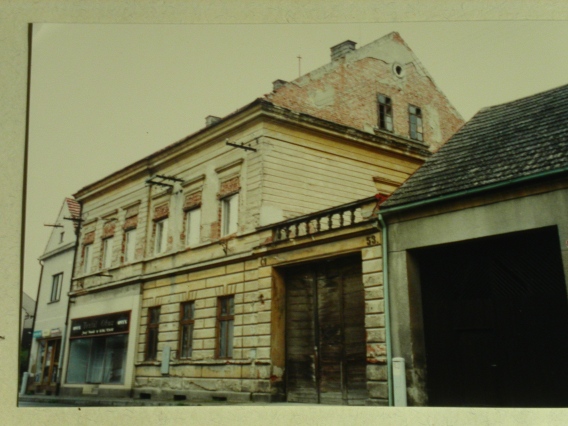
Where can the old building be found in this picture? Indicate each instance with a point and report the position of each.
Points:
(244, 261)
(477, 261)
(52, 300)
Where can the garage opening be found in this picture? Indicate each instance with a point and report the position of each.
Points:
(495, 318)
(325, 333)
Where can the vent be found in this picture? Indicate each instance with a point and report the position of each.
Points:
(211, 119)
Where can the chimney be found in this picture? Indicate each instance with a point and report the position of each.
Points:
(277, 84)
(342, 49)
(211, 119)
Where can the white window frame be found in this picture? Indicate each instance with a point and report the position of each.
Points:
(161, 236)
(56, 284)
(129, 245)
(229, 215)
(87, 258)
(193, 227)
(107, 252)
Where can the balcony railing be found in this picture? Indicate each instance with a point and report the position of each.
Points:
(333, 218)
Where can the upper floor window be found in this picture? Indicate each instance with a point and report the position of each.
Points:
(415, 116)
(129, 245)
(186, 322)
(193, 227)
(87, 248)
(229, 214)
(161, 235)
(225, 325)
(385, 113)
(152, 330)
(61, 236)
(107, 253)
(56, 284)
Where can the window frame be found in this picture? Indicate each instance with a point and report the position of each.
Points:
(151, 347)
(228, 318)
(188, 227)
(56, 287)
(186, 323)
(106, 258)
(416, 126)
(229, 211)
(129, 245)
(161, 236)
(385, 112)
(87, 258)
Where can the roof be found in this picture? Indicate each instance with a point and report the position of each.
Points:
(74, 209)
(519, 139)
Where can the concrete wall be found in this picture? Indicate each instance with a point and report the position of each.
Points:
(534, 211)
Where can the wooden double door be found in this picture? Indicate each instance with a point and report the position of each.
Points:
(325, 333)
(48, 365)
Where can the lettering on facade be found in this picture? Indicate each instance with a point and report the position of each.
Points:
(104, 324)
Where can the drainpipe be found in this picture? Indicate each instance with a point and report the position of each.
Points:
(387, 308)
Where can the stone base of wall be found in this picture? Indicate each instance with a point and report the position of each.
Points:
(95, 392)
(194, 395)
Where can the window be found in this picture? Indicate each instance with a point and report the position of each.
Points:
(56, 287)
(225, 321)
(187, 319)
(107, 253)
(161, 236)
(129, 245)
(87, 258)
(229, 215)
(152, 333)
(385, 113)
(61, 236)
(193, 227)
(415, 115)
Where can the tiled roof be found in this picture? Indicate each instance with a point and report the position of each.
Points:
(518, 139)
(74, 208)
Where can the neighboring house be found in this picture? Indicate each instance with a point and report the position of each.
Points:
(243, 262)
(52, 300)
(26, 321)
(478, 258)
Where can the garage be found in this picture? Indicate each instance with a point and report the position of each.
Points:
(495, 321)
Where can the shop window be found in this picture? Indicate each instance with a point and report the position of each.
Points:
(87, 249)
(129, 245)
(56, 284)
(161, 235)
(229, 214)
(415, 116)
(385, 113)
(152, 331)
(97, 349)
(186, 323)
(107, 253)
(225, 325)
(193, 227)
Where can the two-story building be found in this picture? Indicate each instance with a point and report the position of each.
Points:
(52, 300)
(244, 261)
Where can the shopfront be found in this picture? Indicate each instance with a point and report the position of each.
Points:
(98, 348)
(47, 361)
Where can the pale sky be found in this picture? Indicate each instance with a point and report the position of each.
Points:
(104, 96)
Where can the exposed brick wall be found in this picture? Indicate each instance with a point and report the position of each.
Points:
(229, 187)
(161, 212)
(192, 201)
(108, 229)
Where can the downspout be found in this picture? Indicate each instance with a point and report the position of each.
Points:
(387, 308)
(66, 325)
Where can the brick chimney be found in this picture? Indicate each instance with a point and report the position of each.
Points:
(211, 119)
(277, 84)
(340, 50)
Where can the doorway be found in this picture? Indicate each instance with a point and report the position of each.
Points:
(495, 318)
(47, 365)
(325, 333)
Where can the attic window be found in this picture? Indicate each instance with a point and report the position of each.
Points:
(415, 117)
(385, 113)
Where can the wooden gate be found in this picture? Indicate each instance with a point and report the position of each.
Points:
(325, 333)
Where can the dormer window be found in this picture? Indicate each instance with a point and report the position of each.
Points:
(415, 117)
(385, 113)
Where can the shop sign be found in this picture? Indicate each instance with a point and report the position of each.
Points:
(45, 333)
(55, 332)
(37, 334)
(103, 324)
